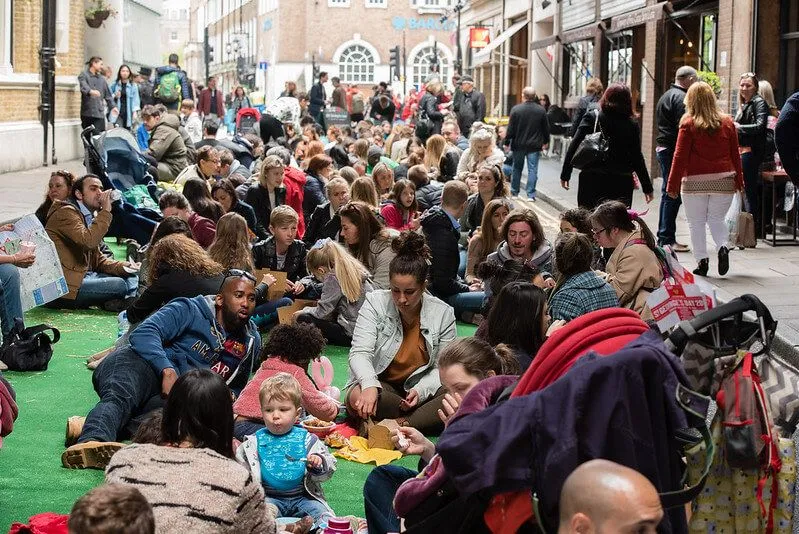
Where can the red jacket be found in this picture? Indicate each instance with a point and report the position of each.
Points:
(701, 153)
(294, 180)
(203, 230)
(204, 105)
(393, 217)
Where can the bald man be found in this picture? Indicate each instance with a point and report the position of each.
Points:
(604, 497)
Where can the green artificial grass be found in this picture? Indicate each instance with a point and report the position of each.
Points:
(32, 479)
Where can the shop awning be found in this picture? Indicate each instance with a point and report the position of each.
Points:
(485, 54)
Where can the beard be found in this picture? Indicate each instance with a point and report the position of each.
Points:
(232, 323)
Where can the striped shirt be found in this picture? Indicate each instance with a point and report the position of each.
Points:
(193, 490)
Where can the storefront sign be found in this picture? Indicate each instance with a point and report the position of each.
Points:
(428, 23)
(580, 34)
(637, 18)
(479, 37)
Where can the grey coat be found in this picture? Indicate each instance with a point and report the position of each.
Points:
(334, 306)
(92, 106)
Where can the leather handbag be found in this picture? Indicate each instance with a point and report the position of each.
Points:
(593, 149)
(28, 349)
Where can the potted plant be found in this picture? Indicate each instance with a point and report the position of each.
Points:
(712, 79)
(97, 12)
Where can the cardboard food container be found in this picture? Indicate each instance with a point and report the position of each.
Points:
(284, 314)
(379, 434)
(276, 290)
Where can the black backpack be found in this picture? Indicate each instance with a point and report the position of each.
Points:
(28, 349)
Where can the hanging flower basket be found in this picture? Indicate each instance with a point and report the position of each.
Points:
(98, 13)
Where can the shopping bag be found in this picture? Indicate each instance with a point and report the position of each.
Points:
(680, 297)
(731, 218)
(741, 224)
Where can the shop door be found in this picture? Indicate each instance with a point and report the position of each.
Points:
(519, 69)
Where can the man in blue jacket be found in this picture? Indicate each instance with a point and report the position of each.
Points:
(206, 332)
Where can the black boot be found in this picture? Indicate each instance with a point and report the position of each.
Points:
(724, 261)
(702, 268)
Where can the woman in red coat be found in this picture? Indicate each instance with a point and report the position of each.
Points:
(707, 171)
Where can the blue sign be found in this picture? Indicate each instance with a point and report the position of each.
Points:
(428, 23)
(263, 65)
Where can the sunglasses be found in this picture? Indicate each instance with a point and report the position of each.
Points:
(238, 273)
(748, 75)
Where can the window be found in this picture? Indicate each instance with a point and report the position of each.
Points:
(431, 5)
(173, 36)
(422, 62)
(620, 58)
(356, 64)
(5, 37)
(581, 61)
(709, 26)
(338, 3)
(376, 3)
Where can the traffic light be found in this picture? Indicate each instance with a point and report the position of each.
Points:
(395, 61)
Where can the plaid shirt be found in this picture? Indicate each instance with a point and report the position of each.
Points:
(581, 294)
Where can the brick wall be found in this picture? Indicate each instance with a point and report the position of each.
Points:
(27, 32)
(19, 104)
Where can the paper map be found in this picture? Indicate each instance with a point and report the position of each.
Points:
(43, 281)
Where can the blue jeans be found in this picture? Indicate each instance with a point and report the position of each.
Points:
(471, 301)
(98, 288)
(125, 383)
(10, 302)
(463, 260)
(532, 172)
(300, 506)
(378, 497)
(669, 207)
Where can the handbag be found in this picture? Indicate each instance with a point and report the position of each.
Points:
(424, 126)
(593, 149)
(28, 349)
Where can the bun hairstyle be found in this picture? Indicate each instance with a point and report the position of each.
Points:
(479, 358)
(412, 256)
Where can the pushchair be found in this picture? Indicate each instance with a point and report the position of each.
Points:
(112, 155)
(480, 495)
(246, 119)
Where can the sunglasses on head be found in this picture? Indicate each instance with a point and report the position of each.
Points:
(238, 273)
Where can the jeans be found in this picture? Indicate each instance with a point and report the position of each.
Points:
(471, 301)
(98, 288)
(669, 207)
(462, 261)
(532, 172)
(300, 506)
(752, 185)
(333, 332)
(271, 306)
(10, 302)
(378, 497)
(125, 383)
(707, 210)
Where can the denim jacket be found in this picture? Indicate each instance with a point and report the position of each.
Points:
(378, 335)
(134, 104)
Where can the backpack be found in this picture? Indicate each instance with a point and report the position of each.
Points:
(28, 349)
(169, 89)
(750, 440)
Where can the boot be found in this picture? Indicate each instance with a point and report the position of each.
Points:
(702, 268)
(724, 260)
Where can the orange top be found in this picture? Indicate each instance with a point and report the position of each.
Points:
(411, 355)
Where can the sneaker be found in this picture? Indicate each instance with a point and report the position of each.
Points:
(90, 455)
(702, 268)
(724, 260)
(74, 428)
(3, 366)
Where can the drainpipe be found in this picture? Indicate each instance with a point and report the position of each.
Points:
(47, 64)
(753, 42)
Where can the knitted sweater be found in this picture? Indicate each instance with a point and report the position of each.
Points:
(314, 401)
(193, 490)
(706, 163)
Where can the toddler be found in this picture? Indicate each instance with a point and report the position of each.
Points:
(289, 461)
(289, 349)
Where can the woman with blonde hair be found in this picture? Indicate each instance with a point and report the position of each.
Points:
(231, 246)
(363, 190)
(441, 159)
(383, 178)
(706, 171)
(345, 283)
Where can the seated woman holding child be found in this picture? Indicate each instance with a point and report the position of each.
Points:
(395, 345)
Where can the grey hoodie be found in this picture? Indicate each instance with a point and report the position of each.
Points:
(542, 256)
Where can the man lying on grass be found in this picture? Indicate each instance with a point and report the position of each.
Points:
(212, 332)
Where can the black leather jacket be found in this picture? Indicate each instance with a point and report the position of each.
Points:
(753, 118)
(670, 110)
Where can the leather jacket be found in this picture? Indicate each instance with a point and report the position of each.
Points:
(670, 110)
(753, 118)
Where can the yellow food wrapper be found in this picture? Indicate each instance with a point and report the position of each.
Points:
(361, 453)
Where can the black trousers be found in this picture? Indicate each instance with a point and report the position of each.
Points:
(98, 123)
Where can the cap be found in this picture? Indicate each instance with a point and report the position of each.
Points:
(145, 71)
(467, 79)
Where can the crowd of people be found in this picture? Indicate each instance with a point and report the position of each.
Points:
(396, 232)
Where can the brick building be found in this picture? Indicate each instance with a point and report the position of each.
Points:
(21, 131)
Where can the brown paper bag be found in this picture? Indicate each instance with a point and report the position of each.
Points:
(746, 236)
(276, 290)
(380, 434)
(284, 314)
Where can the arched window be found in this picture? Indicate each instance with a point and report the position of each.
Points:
(356, 64)
(421, 65)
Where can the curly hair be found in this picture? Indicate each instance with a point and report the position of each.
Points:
(178, 252)
(295, 343)
(231, 246)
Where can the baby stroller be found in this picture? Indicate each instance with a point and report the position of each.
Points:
(246, 119)
(112, 155)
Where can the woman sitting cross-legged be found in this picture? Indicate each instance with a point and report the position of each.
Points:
(579, 289)
(344, 288)
(395, 345)
(191, 478)
(289, 349)
(462, 364)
